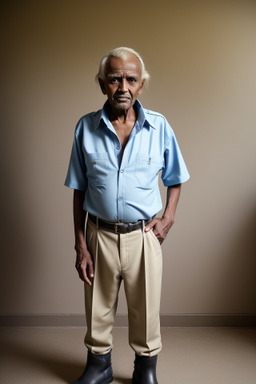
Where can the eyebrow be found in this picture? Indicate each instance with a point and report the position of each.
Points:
(111, 75)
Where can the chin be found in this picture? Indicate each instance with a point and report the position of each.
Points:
(123, 106)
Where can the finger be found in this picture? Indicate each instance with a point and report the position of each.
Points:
(83, 276)
(82, 273)
(150, 225)
(90, 270)
(158, 232)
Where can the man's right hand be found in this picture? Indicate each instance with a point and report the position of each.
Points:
(84, 264)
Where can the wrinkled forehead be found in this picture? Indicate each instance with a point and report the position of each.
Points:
(130, 66)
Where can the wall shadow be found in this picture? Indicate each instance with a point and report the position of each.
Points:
(47, 363)
(237, 285)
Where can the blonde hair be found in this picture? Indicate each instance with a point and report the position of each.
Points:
(122, 53)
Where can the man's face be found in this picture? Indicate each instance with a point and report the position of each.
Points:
(123, 83)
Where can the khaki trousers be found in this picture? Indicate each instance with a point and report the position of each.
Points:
(135, 258)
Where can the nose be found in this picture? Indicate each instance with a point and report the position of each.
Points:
(123, 85)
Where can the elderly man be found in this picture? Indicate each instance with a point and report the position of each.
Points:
(116, 157)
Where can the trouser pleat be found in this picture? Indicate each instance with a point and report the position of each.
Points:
(136, 258)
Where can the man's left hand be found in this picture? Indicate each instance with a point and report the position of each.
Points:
(160, 226)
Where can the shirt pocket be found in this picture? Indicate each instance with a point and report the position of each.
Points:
(147, 169)
(98, 168)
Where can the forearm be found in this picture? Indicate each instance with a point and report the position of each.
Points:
(79, 219)
(162, 226)
(172, 198)
(84, 263)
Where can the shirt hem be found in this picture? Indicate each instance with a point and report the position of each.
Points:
(74, 186)
(175, 181)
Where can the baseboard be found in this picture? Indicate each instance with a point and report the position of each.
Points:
(177, 320)
(208, 320)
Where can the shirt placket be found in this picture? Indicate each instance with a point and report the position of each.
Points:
(121, 186)
(122, 178)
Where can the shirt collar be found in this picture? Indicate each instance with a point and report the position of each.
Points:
(142, 118)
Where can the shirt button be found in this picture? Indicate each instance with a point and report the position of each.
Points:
(117, 147)
(120, 198)
(122, 171)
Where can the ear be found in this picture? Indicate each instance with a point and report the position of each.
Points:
(141, 87)
(102, 86)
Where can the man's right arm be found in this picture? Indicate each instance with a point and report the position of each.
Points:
(84, 264)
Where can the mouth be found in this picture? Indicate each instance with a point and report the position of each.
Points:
(122, 98)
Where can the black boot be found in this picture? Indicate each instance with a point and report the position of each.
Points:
(98, 370)
(144, 370)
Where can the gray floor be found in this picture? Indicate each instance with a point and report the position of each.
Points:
(189, 356)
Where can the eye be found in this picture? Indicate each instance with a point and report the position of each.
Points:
(114, 80)
(131, 79)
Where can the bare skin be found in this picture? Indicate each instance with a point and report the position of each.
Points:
(161, 226)
(84, 264)
(122, 85)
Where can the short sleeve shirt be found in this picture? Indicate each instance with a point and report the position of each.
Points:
(123, 185)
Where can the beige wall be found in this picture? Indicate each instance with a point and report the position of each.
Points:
(202, 59)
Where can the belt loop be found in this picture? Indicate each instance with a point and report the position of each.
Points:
(97, 222)
(142, 226)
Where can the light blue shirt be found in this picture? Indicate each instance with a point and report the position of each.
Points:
(123, 185)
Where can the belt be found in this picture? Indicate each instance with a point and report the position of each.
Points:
(118, 227)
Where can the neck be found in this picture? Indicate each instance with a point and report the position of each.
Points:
(123, 116)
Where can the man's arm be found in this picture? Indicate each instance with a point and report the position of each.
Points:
(161, 226)
(84, 264)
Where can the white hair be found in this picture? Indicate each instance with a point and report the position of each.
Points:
(122, 53)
